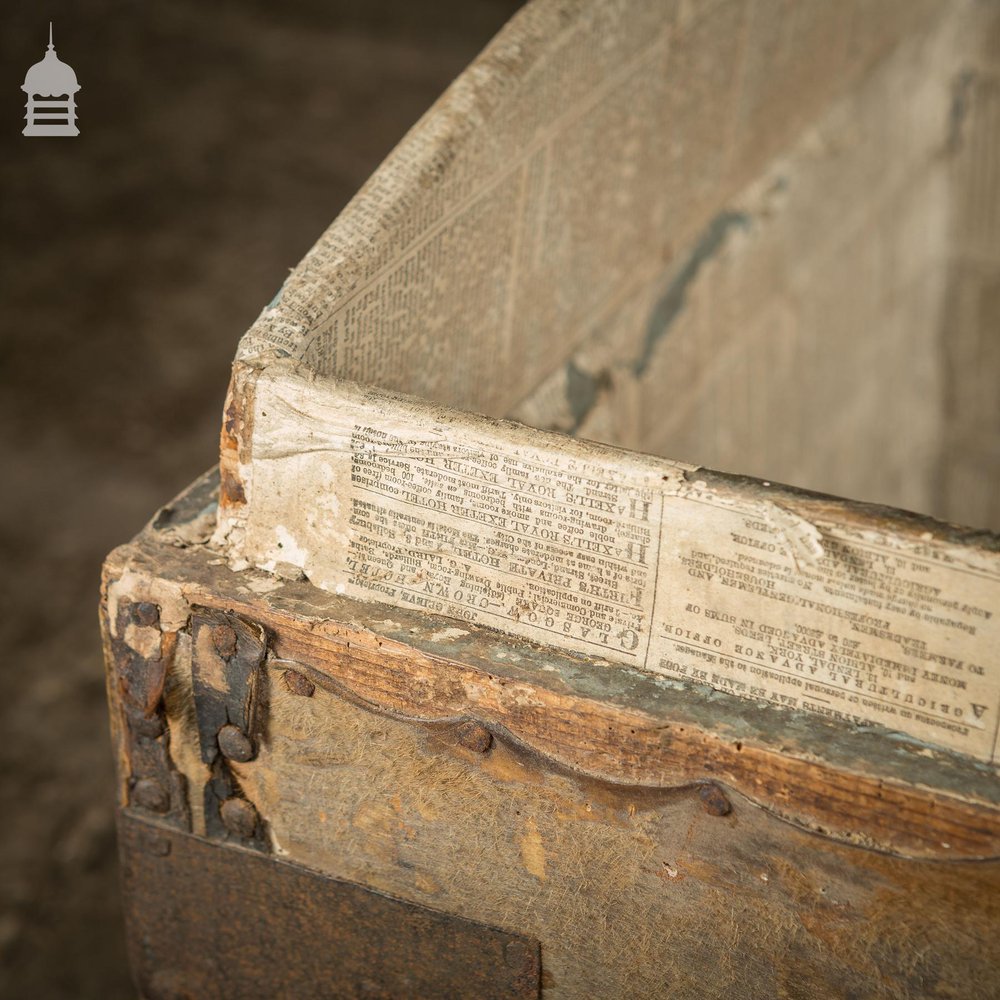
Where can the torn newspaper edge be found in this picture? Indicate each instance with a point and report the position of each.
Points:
(847, 610)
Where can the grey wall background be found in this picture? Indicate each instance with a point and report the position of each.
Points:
(217, 142)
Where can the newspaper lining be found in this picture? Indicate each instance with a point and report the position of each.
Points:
(626, 558)
(517, 253)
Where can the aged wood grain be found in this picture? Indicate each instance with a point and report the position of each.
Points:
(632, 891)
(908, 800)
(637, 832)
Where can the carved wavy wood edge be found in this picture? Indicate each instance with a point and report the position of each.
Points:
(606, 742)
(597, 737)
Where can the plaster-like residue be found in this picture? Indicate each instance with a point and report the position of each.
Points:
(448, 633)
(146, 640)
(135, 586)
(290, 549)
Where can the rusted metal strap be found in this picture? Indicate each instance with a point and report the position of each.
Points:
(141, 655)
(227, 680)
(211, 920)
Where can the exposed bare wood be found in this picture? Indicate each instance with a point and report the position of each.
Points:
(549, 701)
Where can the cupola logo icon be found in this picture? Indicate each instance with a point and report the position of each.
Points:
(51, 88)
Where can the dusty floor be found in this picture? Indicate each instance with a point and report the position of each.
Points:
(214, 148)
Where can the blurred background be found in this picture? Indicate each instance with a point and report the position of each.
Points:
(217, 142)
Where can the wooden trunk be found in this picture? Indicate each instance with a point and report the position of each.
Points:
(410, 700)
(322, 799)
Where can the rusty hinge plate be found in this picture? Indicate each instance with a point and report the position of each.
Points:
(226, 678)
(210, 920)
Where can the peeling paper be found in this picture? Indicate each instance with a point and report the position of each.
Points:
(628, 559)
(804, 540)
